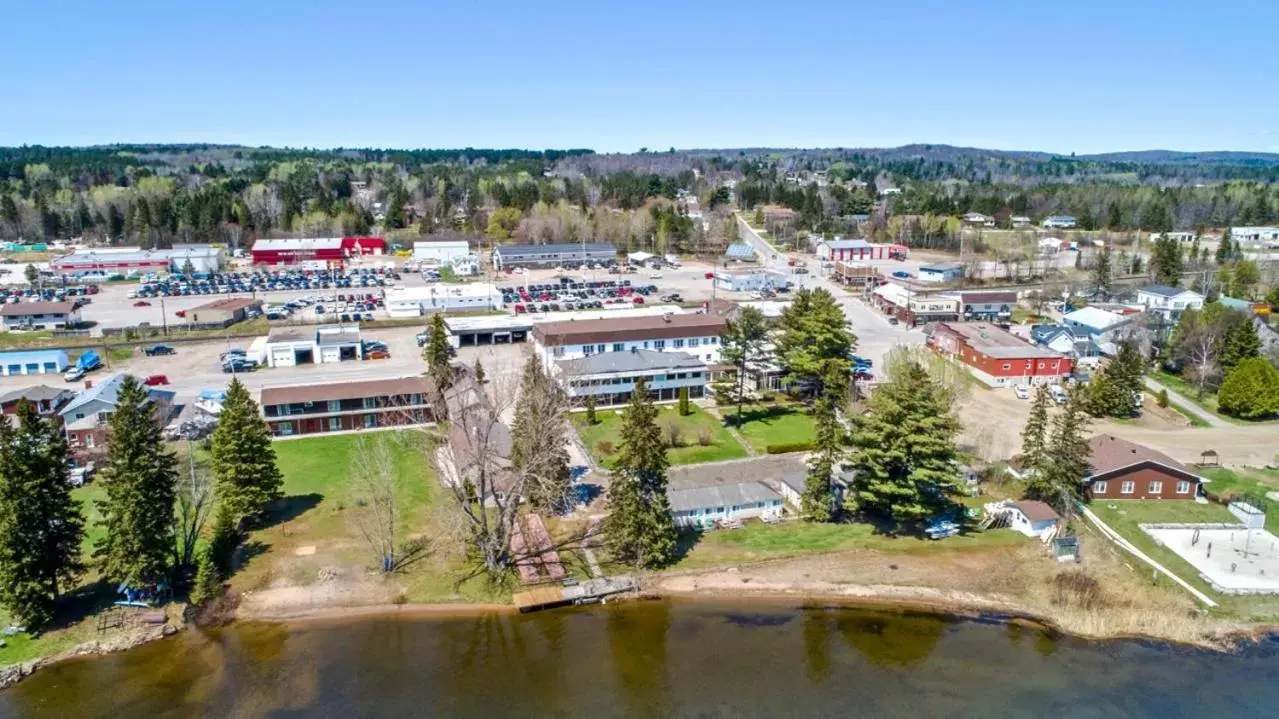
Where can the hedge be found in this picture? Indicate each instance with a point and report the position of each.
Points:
(788, 447)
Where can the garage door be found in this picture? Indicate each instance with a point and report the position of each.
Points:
(282, 357)
(330, 354)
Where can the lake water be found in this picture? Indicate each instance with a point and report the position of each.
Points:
(652, 659)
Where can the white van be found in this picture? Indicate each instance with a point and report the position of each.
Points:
(1059, 394)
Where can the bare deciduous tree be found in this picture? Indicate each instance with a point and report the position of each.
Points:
(1201, 353)
(195, 503)
(375, 488)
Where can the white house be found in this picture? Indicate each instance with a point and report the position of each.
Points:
(1093, 320)
(977, 219)
(1168, 302)
(1064, 222)
(611, 377)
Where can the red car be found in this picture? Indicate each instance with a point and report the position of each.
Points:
(710, 275)
(141, 303)
(377, 354)
(638, 300)
(155, 380)
(181, 313)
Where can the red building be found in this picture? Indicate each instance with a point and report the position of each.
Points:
(997, 357)
(859, 250)
(1125, 470)
(329, 250)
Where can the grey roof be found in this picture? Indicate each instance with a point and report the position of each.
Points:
(290, 334)
(108, 391)
(719, 495)
(739, 250)
(1163, 290)
(37, 393)
(852, 244)
(637, 360)
(556, 249)
(941, 267)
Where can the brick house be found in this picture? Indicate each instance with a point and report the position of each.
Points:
(345, 406)
(1125, 470)
(997, 357)
(85, 417)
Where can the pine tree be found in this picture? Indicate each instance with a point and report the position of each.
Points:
(684, 408)
(1116, 390)
(814, 343)
(590, 410)
(1239, 342)
(1101, 272)
(538, 439)
(1066, 461)
(481, 378)
(1166, 261)
(818, 502)
(742, 344)
(140, 480)
(437, 353)
(904, 448)
(40, 523)
(208, 582)
(639, 529)
(1225, 250)
(1034, 434)
(244, 467)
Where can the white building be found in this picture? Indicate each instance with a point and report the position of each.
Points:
(1064, 222)
(703, 505)
(417, 301)
(611, 376)
(440, 252)
(1031, 517)
(977, 219)
(1262, 236)
(1168, 302)
(39, 315)
(755, 281)
(291, 346)
(1051, 245)
(1019, 221)
(698, 335)
(1093, 320)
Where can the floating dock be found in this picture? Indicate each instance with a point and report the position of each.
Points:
(589, 591)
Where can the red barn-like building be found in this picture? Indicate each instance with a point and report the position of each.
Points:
(997, 357)
(329, 250)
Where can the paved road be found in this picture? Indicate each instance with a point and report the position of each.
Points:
(1187, 404)
(875, 336)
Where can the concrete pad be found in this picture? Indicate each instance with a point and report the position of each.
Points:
(1234, 560)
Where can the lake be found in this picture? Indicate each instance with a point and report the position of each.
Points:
(654, 658)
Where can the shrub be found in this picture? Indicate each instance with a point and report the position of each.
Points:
(674, 433)
(1163, 398)
(788, 447)
(1250, 390)
(1075, 588)
(605, 447)
(704, 437)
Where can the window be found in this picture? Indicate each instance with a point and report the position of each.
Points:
(712, 340)
(1041, 365)
(1099, 488)
(599, 348)
(678, 344)
(659, 345)
(558, 352)
(286, 428)
(1156, 486)
(370, 421)
(370, 402)
(335, 405)
(1127, 487)
(1183, 487)
(335, 424)
(619, 347)
(693, 341)
(88, 440)
(1008, 365)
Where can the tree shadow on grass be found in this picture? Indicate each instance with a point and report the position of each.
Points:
(686, 540)
(289, 508)
(762, 415)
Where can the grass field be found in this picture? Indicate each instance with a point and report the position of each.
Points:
(757, 541)
(783, 424)
(692, 429)
(1189, 391)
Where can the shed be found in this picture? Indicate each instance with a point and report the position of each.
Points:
(941, 272)
(1032, 517)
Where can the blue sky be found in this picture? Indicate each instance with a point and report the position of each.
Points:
(1055, 75)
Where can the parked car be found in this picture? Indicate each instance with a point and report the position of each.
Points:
(75, 374)
(1022, 391)
(159, 350)
(155, 380)
(238, 364)
(901, 275)
(377, 354)
(141, 303)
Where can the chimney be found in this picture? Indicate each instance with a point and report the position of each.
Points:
(88, 384)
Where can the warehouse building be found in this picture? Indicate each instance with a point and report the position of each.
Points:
(331, 251)
(33, 362)
(417, 301)
(752, 281)
(564, 255)
(203, 260)
(224, 312)
(441, 252)
(291, 346)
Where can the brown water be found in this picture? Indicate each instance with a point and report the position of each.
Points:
(651, 659)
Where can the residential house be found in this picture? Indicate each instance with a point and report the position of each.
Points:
(347, 406)
(85, 416)
(46, 400)
(39, 315)
(996, 357)
(988, 305)
(977, 219)
(1094, 321)
(1063, 222)
(941, 272)
(914, 307)
(698, 335)
(1125, 470)
(1168, 302)
(1081, 347)
(611, 377)
(707, 496)
(1019, 221)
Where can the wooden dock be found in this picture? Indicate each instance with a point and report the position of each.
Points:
(590, 591)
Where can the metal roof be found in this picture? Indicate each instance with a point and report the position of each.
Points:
(26, 309)
(109, 391)
(636, 360)
(1095, 318)
(24, 356)
(740, 251)
(509, 250)
(1164, 290)
(719, 495)
(345, 390)
(312, 243)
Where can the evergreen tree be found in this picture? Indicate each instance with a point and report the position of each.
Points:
(590, 410)
(640, 530)
(743, 343)
(481, 378)
(140, 479)
(1116, 390)
(1166, 261)
(1250, 390)
(1066, 462)
(1114, 218)
(538, 442)
(8, 208)
(208, 583)
(684, 408)
(1034, 438)
(904, 448)
(437, 353)
(818, 502)
(1101, 272)
(814, 343)
(40, 524)
(1239, 342)
(244, 465)
(1225, 249)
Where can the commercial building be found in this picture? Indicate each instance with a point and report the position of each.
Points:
(328, 250)
(39, 315)
(611, 376)
(914, 307)
(698, 335)
(941, 272)
(441, 252)
(47, 400)
(225, 312)
(993, 305)
(1063, 222)
(346, 406)
(33, 362)
(856, 250)
(203, 259)
(85, 416)
(996, 357)
(1168, 302)
(504, 329)
(750, 281)
(290, 346)
(1126, 470)
(854, 274)
(417, 301)
(1256, 236)
(562, 255)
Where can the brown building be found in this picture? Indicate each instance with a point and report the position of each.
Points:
(697, 335)
(47, 400)
(226, 311)
(367, 404)
(856, 274)
(1124, 470)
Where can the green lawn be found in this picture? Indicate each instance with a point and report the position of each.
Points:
(1188, 390)
(603, 441)
(758, 541)
(782, 424)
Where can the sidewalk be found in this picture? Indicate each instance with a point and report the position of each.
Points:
(1187, 404)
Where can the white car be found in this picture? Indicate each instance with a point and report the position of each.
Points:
(1022, 391)
(655, 275)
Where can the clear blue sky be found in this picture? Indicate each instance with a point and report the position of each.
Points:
(1056, 75)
